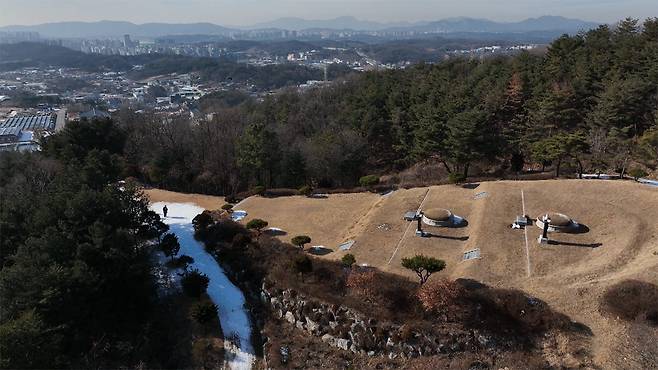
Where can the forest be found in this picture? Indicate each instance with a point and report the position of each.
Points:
(76, 286)
(589, 104)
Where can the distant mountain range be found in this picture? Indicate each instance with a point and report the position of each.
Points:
(117, 29)
(451, 25)
(340, 23)
(461, 24)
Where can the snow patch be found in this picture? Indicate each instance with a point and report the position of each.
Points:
(238, 215)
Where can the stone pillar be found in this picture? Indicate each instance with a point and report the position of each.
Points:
(543, 239)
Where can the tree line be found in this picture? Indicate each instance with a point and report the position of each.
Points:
(588, 104)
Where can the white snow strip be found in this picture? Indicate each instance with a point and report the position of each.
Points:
(229, 298)
(648, 182)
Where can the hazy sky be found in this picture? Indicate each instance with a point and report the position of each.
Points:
(246, 12)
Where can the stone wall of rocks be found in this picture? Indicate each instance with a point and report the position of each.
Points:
(351, 331)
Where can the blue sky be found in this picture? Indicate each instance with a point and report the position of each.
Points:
(246, 12)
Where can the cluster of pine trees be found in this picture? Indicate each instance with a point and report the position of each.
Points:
(588, 104)
(76, 289)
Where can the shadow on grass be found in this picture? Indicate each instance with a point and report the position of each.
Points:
(460, 238)
(322, 251)
(569, 244)
(275, 232)
(581, 229)
(471, 186)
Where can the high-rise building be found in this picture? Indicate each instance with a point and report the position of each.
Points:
(127, 42)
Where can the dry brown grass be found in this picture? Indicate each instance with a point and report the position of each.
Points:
(571, 276)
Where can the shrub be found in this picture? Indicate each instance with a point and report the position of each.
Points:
(406, 332)
(232, 199)
(227, 207)
(636, 173)
(170, 245)
(324, 274)
(423, 266)
(222, 231)
(204, 312)
(369, 180)
(207, 355)
(258, 190)
(517, 310)
(257, 224)
(439, 295)
(240, 241)
(282, 192)
(181, 262)
(305, 190)
(202, 221)
(302, 265)
(301, 240)
(363, 283)
(185, 260)
(632, 299)
(348, 260)
(194, 283)
(456, 178)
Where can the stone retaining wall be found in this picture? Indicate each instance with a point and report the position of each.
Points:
(351, 331)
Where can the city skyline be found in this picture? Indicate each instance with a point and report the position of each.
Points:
(233, 13)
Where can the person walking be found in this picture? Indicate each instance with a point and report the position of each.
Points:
(165, 210)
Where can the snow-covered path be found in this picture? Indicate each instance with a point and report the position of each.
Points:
(230, 300)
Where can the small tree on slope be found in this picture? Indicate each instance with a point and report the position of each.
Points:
(301, 241)
(423, 266)
(257, 224)
(170, 245)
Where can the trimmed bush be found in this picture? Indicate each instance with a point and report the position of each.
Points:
(301, 240)
(348, 260)
(258, 190)
(257, 224)
(636, 173)
(305, 190)
(369, 181)
(456, 178)
(227, 207)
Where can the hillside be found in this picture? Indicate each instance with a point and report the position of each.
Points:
(573, 275)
